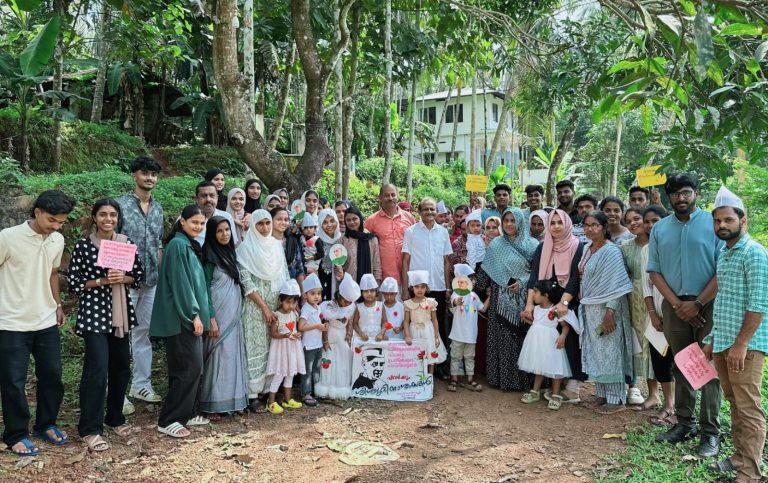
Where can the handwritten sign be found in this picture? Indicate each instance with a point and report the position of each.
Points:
(475, 183)
(650, 177)
(117, 255)
(694, 365)
(393, 370)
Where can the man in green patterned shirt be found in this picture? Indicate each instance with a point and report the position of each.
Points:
(739, 338)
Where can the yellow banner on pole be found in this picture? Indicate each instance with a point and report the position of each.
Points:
(649, 177)
(475, 183)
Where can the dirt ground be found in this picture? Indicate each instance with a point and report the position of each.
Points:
(463, 436)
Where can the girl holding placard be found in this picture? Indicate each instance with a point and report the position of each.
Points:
(105, 315)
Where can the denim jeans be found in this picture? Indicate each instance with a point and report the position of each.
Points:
(312, 363)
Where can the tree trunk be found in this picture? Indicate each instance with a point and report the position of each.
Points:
(501, 128)
(348, 107)
(565, 143)
(455, 120)
(440, 123)
(60, 8)
(248, 67)
(369, 151)
(101, 74)
(615, 177)
(24, 128)
(412, 134)
(387, 91)
(473, 127)
(282, 100)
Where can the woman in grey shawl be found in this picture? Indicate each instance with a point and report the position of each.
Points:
(606, 341)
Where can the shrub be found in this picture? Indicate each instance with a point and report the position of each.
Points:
(196, 160)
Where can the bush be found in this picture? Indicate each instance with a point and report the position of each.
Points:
(196, 160)
(362, 193)
(10, 174)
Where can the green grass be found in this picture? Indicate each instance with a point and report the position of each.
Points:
(644, 460)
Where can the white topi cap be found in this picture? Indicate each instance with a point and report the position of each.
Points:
(462, 270)
(309, 220)
(418, 277)
(349, 289)
(441, 209)
(389, 285)
(311, 282)
(367, 282)
(475, 215)
(290, 287)
(726, 197)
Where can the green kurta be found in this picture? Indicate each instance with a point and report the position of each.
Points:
(182, 292)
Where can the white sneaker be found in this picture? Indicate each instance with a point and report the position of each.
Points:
(128, 407)
(145, 394)
(634, 396)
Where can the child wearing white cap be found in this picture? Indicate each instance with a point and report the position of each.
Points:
(286, 356)
(335, 380)
(369, 317)
(475, 239)
(311, 327)
(312, 245)
(465, 304)
(394, 311)
(421, 320)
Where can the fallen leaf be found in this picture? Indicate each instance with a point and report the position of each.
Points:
(690, 457)
(622, 436)
(244, 459)
(24, 461)
(346, 411)
(76, 458)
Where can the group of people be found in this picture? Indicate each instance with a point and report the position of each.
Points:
(250, 297)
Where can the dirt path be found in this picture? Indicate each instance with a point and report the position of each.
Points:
(464, 436)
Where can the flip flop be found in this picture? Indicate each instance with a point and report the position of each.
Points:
(96, 442)
(32, 450)
(198, 421)
(47, 437)
(124, 430)
(310, 401)
(472, 386)
(722, 466)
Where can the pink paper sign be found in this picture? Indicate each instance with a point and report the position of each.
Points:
(116, 255)
(694, 365)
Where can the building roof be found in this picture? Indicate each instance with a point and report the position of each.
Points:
(466, 91)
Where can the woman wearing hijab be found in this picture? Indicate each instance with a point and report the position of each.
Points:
(224, 387)
(216, 176)
(272, 202)
(538, 223)
(282, 193)
(236, 208)
(330, 275)
(253, 191)
(504, 273)
(181, 313)
(294, 255)
(558, 257)
(263, 270)
(362, 247)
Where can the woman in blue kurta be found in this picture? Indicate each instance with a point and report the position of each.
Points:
(180, 315)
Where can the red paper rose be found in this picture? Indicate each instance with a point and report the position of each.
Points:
(426, 306)
(378, 309)
(395, 313)
(434, 354)
(551, 315)
(291, 325)
(388, 326)
(421, 354)
(358, 349)
(322, 316)
(310, 243)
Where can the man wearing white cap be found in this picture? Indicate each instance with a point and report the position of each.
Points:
(739, 338)
(427, 246)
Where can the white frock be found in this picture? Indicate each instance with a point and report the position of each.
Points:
(395, 316)
(369, 321)
(335, 381)
(539, 354)
(422, 330)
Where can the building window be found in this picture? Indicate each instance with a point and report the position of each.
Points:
(428, 158)
(495, 112)
(449, 113)
(429, 115)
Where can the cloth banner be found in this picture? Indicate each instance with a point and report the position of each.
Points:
(391, 370)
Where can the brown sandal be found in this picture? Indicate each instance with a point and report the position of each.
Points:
(473, 386)
(452, 386)
(124, 430)
(663, 418)
(96, 442)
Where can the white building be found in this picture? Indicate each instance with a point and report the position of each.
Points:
(488, 105)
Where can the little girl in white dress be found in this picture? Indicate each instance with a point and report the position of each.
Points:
(286, 354)
(335, 380)
(370, 314)
(394, 312)
(421, 320)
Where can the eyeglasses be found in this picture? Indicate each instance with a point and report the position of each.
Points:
(682, 194)
(592, 226)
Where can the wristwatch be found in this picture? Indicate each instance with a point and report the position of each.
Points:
(564, 302)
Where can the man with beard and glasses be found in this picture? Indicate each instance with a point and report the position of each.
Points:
(565, 193)
(682, 258)
(739, 338)
(206, 198)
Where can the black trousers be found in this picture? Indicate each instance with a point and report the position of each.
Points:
(444, 326)
(184, 356)
(106, 374)
(15, 348)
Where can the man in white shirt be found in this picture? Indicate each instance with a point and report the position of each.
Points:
(427, 246)
(206, 198)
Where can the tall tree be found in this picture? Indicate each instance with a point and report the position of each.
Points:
(387, 91)
(102, 43)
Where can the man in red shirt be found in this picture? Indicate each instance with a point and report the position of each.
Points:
(389, 225)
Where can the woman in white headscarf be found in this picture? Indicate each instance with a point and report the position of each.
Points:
(262, 266)
(236, 207)
(330, 234)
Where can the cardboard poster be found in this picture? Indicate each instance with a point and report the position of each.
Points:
(649, 177)
(117, 255)
(391, 370)
(694, 365)
(475, 183)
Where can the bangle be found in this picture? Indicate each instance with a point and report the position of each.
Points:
(651, 311)
(58, 306)
(98, 282)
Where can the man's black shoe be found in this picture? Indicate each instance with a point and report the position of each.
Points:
(709, 446)
(678, 433)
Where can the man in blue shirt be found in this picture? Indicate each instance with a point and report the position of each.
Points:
(502, 194)
(682, 258)
(739, 339)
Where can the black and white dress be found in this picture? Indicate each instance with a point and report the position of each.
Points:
(94, 312)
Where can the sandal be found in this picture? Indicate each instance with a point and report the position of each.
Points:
(198, 421)
(310, 401)
(555, 401)
(29, 446)
(175, 430)
(531, 397)
(452, 386)
(663, 418)
(608, 408)
(473, 386)
(96, 442)
(722, 466)
(58, 437)
(124, 430)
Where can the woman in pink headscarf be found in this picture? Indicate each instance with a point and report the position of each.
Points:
(557, 257)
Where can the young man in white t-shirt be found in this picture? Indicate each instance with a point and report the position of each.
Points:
(30, 317)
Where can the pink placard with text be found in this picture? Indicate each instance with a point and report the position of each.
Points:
(116, 255)
(694, 365)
